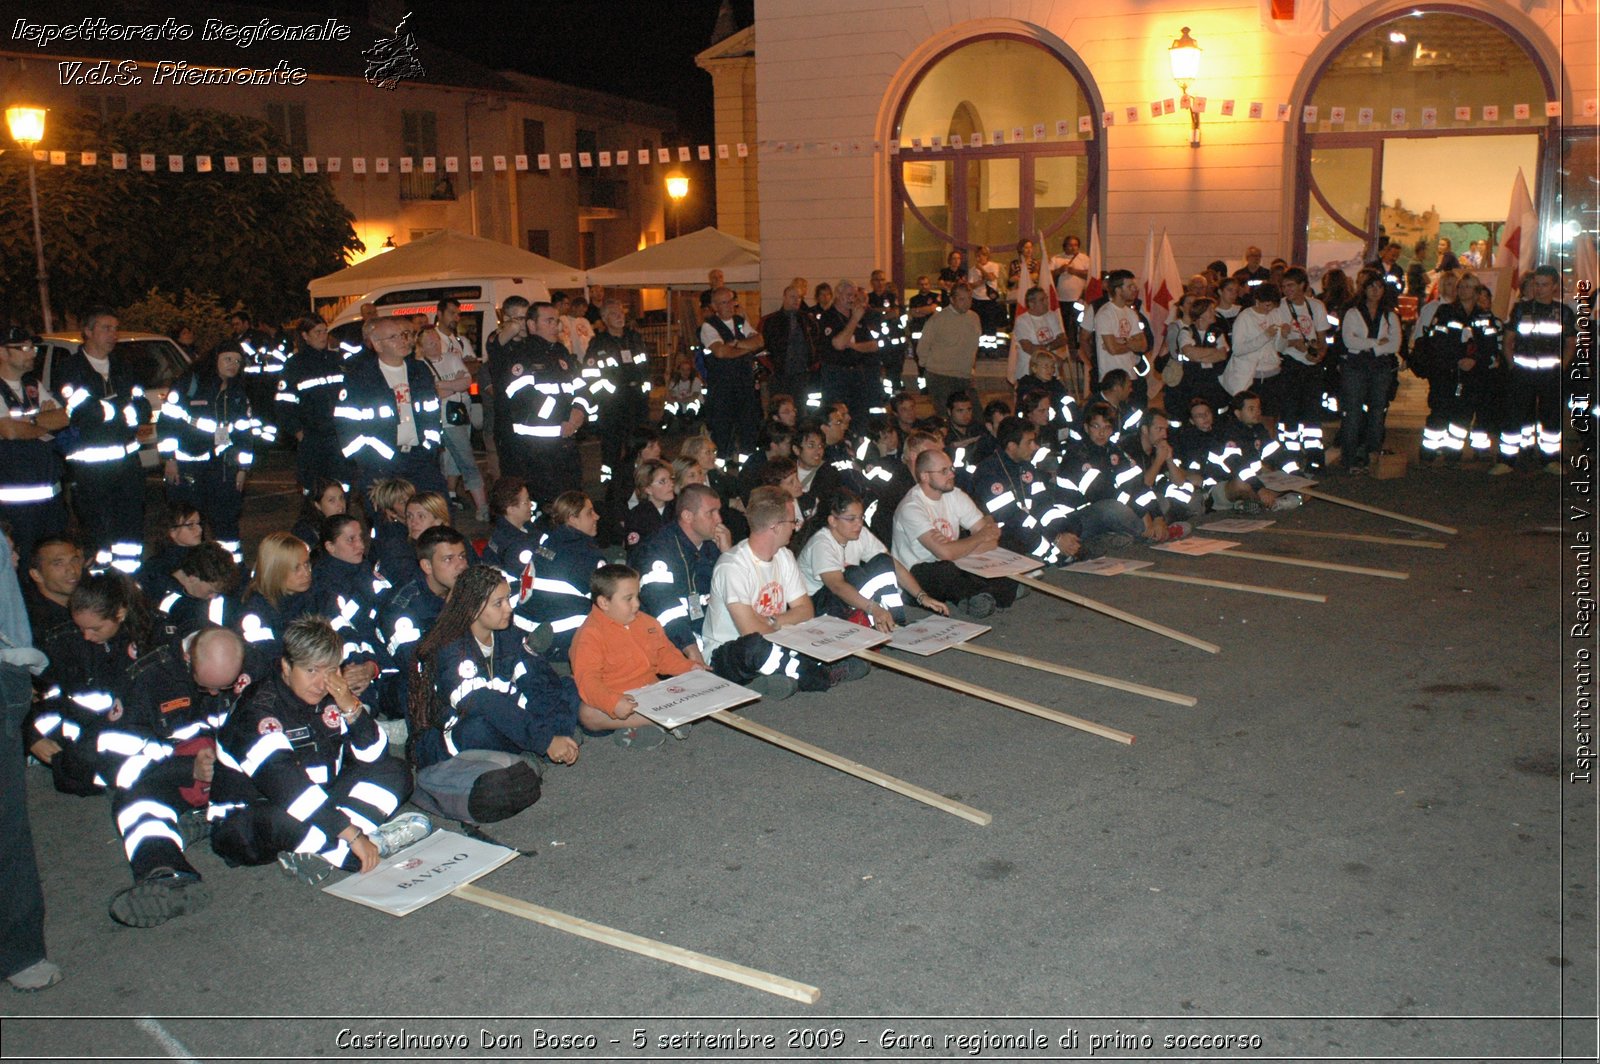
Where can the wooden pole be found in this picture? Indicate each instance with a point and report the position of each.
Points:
(661, 951)
(1121, 615)
(1228, 585)
(853, 768)
(1076, 674)
(990, 695)
(1392, 541)
(1446, 529)
(1338, 567)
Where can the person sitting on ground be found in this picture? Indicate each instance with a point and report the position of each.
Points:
(995, 412)
(817, 478)
(160, 757)
(757, 588)
(1043, 376)
(1096, 469)
(1037, 517)
(90, 657)
(55, 569)
(1162, 495)
(185, 528)
(1256, 447)
(393, 556)
(325, 499)
(776, 441)
(279, 592)
(620, 649)
(654, 494)
(850, 574)
(888, 493)
(476, 686)
(1116, 392)
(1202, 446)
(512, 539)
(558, 600)
(927, 539)
(205, 579)
(346, 591)
(441, 559)
(675, 567)
(301, 774)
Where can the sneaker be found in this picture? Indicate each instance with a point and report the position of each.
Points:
(1246, 506)
(1180, 530)
(158, 897)
(1554, 468)
(977, 607)
(774, 688)
(401, 832)
(1500, 469)
(644, 737)
(1290, 501)
(1023, 591)
(40, 975)
(680, 733)
(193, 826)
(846, 670)
(307, 868)
(396, 730)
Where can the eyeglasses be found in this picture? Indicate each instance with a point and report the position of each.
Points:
(517, 317)
(187, 524)
(849, 519)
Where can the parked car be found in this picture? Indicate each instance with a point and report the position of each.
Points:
(158, 360)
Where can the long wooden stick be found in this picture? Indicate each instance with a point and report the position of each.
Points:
(1446, 529)
(853, 768)
(661, 951)
(1228, 585)
(1121, 615)
(1392, 541)
(1076, 674)
(1338, 567)
(988, 694)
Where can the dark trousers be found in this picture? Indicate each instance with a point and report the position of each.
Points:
(109, 501)
(874, 579)
(750, 656)
(619, 420)
(948, 582)
(733, 411)
(210, 488)
(1301, 422)
(256, 834)
(1533, 410)
(500, 725)
(146, 816)
(317, 457)
(33, 521)
(1363, 404)
(21, 897)
(549, 467)
(859, 388)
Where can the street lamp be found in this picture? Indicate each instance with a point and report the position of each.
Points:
(27, 129)
(1184, 58)
(677, 189)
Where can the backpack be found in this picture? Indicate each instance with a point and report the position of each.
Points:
(477, 787)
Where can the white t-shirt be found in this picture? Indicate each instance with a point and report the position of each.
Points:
(1123, 323)
(984, 280)
(824, 554)
(1304, 320)
(400, 384)
(948, 515)
(1069, 289)
(1036, 329)
(769, 588)
(709, 334)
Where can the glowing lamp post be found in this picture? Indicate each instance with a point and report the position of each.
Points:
(1184, 58)
(27, 129)
(677, 190)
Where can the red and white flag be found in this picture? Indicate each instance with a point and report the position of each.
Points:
(1521, 234)
(1166, 287)
(1096, 286)
(1024, 282)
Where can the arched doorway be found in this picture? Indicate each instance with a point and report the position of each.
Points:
(1446, 169)
(984, 192)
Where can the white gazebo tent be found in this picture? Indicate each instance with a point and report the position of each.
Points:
(447, 255)
(683, 263)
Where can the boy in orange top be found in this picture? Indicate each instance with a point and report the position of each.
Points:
(620, 648)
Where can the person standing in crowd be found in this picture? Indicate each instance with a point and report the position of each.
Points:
(308, 390)
(1541, 337)
(207, 435)
(949, 346)
(30, 469)
(622, 391)
(105, 401)
(733, 405)
(453, 381)
(1070, 270)
(22, 951)
(852, 336)
(1303, 322)
(1119, 335)
(1370, 335)
(793, 344)
(388, 412)
(538, 386)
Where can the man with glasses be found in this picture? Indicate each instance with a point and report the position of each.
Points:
(543, 403)
(928, 541)
(388, 413)
(30, 470)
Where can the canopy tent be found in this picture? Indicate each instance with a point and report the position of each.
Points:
(683, 262)
(445, 256)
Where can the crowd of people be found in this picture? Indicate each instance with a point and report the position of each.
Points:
(831, 458)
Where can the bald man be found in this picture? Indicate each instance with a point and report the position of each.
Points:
(159, 751)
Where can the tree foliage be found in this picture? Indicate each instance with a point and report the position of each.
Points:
(161, 313)
(113, 236)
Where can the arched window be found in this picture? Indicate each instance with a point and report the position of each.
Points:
(1416, 157)
(993, 190)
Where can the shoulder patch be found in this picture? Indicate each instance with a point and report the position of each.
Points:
(331, 718)
(241, 683)
(268, 725)
(467, 669)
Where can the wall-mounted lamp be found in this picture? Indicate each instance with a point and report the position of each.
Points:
(1184, 57)
(388, 245)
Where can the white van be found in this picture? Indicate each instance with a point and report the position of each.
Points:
(480, 304)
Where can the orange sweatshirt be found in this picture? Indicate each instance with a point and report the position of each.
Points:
(609, 659)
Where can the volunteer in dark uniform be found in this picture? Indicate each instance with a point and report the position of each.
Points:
(388, 414)
(853, 336)
(308, 390)
(676, 563)
(622, 392)
(733, 406)
(30, 469)
(1541, 335)
(558, 599)
(1036, 517)
(538, 386)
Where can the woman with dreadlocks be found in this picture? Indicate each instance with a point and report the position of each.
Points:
(478, 688)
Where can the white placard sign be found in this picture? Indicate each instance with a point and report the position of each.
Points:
(1108, 566)
(933, 634)
(1195, 546)
(422, 873)
(689, 697)
(827, 638)
(1237, 524)
(999, 563)
(1279, 481)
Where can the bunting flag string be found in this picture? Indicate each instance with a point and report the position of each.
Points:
(1334, 118)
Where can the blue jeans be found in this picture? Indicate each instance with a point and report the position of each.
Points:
(1108, 517)
(1363, 404)
(458, 451)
